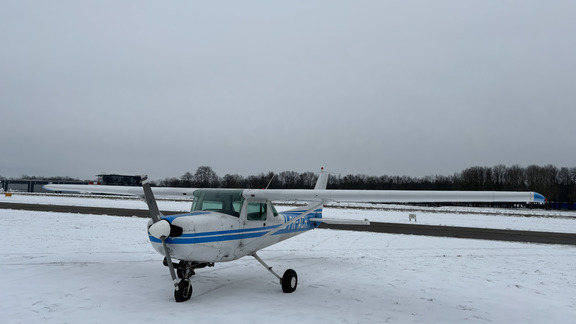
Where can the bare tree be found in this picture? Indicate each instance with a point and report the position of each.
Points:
(233, 181)
(187, 179)
(205, 177)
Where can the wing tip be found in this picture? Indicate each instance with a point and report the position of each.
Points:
(539, 198)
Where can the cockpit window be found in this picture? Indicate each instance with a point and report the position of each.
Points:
(256, 211)
(218, 200)
(274, 212)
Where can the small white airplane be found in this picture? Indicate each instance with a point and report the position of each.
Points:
(228, 224)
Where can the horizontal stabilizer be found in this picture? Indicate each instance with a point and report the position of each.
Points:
(340, 221)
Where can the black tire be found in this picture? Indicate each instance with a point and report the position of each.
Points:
(289, 281)
(184, 291)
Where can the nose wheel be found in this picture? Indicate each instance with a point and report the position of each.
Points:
(183, 291)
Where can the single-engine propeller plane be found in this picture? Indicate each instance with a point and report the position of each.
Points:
(228, 224)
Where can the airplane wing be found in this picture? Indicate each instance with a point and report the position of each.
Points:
(121, 190)
(382, 196)
(394, 196)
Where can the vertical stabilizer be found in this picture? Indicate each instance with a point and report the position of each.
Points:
(322, 181)
(321, 184)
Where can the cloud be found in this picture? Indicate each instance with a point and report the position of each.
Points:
(372, 87)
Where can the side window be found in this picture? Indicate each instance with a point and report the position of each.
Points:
(256, 211)
(274, 212)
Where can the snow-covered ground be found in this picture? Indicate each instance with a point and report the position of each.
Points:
(68, 268)
(71, 268)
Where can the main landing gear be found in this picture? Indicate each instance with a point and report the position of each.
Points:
(289, 281)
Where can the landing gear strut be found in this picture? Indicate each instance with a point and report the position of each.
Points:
(289, 281)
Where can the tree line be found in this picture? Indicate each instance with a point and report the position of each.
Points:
(557, 184)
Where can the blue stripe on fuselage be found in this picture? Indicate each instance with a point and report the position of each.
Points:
(246, 233)
(228, 232)
(194, 238)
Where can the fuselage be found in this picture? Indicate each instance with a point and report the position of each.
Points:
(223, 226)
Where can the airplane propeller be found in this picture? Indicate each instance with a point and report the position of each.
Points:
(161, 229)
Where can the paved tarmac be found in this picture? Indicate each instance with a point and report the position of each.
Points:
(378, 227)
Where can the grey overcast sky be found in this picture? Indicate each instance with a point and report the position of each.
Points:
(373, 87)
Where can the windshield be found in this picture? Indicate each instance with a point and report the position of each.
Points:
(223, 201)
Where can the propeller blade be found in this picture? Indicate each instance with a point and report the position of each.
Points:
(155, 213)
(170, 264)
(156, 216)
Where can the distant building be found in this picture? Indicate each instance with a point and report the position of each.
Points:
(119, 180)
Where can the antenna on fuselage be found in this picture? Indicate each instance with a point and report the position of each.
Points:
(269, 182)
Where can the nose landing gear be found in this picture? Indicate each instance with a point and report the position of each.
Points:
(185, 270)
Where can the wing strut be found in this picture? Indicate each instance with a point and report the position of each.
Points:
(312, 208)
(269, 268)
(252, 244)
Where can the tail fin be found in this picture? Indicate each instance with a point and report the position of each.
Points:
(321, 184)
(322, 181)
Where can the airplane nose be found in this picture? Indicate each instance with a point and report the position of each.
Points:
(160, 229)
